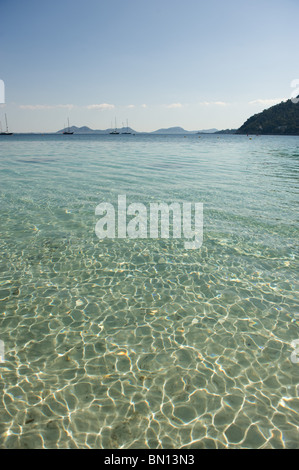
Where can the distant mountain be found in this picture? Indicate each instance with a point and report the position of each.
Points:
(208, 131)
(281, 119)
(169, 130)
(87, 130)
(180, 130)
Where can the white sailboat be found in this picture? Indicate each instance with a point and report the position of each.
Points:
(127, 131)
(5, 133)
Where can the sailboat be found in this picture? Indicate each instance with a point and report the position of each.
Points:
(115, 130)
(127, 131)
(6, 133)
(68, 128)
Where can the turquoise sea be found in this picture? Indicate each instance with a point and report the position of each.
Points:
(140, 343)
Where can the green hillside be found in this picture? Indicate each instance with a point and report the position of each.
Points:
(281, 119)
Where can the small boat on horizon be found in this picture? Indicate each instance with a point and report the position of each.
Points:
(115, 130)
(68, 128)
(127, 131)
(5, 133)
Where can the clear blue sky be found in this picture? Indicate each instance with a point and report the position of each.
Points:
(158, 63)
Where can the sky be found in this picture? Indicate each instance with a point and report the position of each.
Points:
(156, 63)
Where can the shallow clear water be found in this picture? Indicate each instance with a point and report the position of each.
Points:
(141, 343)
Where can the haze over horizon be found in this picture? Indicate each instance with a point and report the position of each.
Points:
(197, 65)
